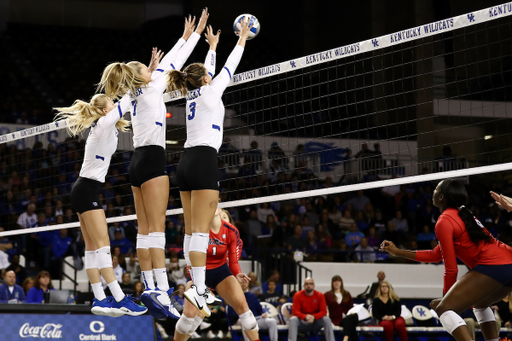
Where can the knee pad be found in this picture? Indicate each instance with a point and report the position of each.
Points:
(103, 258)
(248, 321)
(186, 248)
(142, 241)
(184, 324)
(484, 315)
(157, 240)
(199, 242)
(90, 260)
(451, 321)
(195, 325)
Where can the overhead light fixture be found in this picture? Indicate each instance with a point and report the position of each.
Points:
(171, 142)
(488, 137)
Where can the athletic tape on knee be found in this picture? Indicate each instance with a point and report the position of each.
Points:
(484, 315)
(142, 241)
(195, 325)
(157, 240)
(186, 248)
(184, 324)
(451, 321)
(199, 242)
(103, 258)
(248, 321)
(90, 260)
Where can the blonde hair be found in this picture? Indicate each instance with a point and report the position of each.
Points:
(190, 79)
(392, 296)
(81, 115)
(118, 79)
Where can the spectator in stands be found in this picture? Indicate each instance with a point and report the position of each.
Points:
(246, 176)
(264, 210)
(126, 284)
(175, 273)
(253, 226)
(402, 199)
(364, 252)
(346, 221)
(123, 243)
(271, 296)
(275, 275)
(311, 214)
(425, 237)
(328, 224)
(121, 257)
(504, 310)
(354, 236)
(323, 236)
(400, 223)
(379, 222)
(296, 242)
(42, 285)
(386, 308)
(377, 154)
(254, 155)
(334, 214)
(309, 312)
(361, 221)
(359, 201)
(364, 152)
(273, 171)
(58, 208)
(276, 153)
(28, 218)
(179, 297)
(171, 232)
(118, 272)
(229, 153)
(339, 302)
(60, 249)
(10, 292)
(138, 289)
(264, 323)
(373, 241)
(27, 284)
(344, 255)
(254, 285)
(391, 234)
(20, 271)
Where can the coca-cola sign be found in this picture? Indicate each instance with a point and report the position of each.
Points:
(48, 331)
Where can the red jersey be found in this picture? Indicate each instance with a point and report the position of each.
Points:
(454, 242)
(223, 244)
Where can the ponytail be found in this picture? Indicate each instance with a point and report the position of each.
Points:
(456, 197)
(81, 115)
(118, 79)
(476, 232)
(190, 79)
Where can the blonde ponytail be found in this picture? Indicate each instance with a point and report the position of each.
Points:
(118, 79)
(190, 79)
(81, 115)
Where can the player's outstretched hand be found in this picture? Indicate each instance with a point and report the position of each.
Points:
(212, 39)
(246, 26)
(243, 278)
(190, 25)
(502, 201)
(156, 56)
(389, 247)
(201, 25)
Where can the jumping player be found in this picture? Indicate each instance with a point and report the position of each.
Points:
(148, 176)
(197, 169)
(104, 118)
(461, 235)
(223, 273)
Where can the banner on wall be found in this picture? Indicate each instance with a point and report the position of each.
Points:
(75, 327)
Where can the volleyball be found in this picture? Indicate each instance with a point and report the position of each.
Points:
(255, 25)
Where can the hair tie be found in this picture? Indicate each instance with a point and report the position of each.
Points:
(461, 207)
(184, 74)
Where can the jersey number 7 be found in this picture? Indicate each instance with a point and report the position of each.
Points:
(192, 107)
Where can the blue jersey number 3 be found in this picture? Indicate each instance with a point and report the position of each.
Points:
(192, 108)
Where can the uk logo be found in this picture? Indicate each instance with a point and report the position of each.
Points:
(375, 42)
(421, 311)
(471, 17)
(292, 63)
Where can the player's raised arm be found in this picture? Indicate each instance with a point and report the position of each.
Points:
(212, 40)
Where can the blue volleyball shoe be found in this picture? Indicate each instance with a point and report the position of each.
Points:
(127, 307)
(103, 307)
(159, 303)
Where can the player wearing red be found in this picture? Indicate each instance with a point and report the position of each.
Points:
(461, 235)
(223, 274)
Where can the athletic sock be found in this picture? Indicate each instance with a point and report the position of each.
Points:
(161, 279)
(98, 291)
(147, 278)
(198, 276)
(116, 291)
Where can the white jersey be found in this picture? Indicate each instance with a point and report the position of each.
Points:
(102, 143)
(148, 108)
(205, 110)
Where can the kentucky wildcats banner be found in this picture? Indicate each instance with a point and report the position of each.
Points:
(75, 327)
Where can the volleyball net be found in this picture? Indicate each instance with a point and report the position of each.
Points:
(414, 106)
